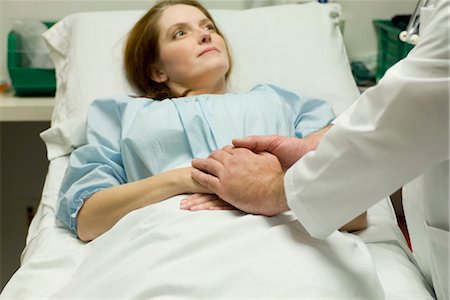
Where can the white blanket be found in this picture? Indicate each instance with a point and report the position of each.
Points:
(163, 252)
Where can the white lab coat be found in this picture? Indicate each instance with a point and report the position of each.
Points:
(394, 132)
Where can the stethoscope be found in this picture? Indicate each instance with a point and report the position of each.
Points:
(411, 34)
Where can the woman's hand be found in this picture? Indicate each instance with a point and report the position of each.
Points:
(204, 202)
(185, 184)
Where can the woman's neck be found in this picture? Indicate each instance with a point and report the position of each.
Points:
(216, 88)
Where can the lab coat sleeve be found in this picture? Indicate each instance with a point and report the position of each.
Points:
(344, 116)
(396, 131)
(96, 165)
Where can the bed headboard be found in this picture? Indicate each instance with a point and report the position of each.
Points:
(297, 46)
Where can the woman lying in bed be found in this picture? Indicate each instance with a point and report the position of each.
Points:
(136, 146)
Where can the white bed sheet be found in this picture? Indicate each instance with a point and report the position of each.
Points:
(210, 255)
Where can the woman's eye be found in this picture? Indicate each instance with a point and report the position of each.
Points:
(178, 34)
(210, 27)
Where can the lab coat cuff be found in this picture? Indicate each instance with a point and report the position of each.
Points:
(300, 207)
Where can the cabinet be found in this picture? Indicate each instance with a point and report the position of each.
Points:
(23, 166)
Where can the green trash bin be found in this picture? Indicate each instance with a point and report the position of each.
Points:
(28, 81)
(390, 48)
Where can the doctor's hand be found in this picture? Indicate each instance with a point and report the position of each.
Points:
(251, 182)
(287, 149)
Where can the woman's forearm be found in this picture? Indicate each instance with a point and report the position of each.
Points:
(105, 208)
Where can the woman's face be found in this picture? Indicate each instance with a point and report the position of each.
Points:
(192, 55)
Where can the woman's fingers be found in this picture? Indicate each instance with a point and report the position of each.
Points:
(196, 200)
(207, 205)
(204, 202)
(221, 206)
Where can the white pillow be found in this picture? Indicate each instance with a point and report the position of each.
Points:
(298, 47)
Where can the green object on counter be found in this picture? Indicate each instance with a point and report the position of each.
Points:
(28, 81)
(390, 48)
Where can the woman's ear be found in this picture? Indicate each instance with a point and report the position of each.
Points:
(157, 75)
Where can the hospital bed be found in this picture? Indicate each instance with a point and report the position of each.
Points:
(163, 252)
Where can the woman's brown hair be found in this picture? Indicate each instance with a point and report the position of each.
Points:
(142, 51)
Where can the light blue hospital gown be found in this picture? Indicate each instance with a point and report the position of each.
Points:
(133, 138)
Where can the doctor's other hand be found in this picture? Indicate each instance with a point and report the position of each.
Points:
(287, 149)
(251, 182)
(205, 202)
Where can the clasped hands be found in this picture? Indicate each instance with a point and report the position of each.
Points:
(248, 175)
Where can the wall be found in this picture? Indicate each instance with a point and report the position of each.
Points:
(55, 10)
(359, 33)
